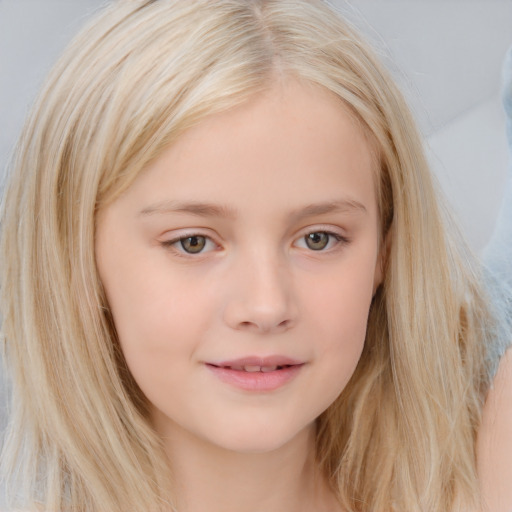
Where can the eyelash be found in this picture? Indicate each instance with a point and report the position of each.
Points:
(170, 244)
(340, 241)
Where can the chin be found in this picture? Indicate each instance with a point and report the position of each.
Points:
(260, 440)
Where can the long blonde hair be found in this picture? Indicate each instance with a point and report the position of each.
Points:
(401, 435)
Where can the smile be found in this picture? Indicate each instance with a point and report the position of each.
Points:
(256, 368)
(257, 374)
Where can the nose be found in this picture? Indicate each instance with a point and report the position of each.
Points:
(261, 298)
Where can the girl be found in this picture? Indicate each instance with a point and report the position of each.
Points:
(227, 282)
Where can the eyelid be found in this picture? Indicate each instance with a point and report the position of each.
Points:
(341, 239)
(172, 243)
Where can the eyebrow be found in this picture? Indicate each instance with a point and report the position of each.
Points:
(339, 206)
(202, 209)
(195, 208)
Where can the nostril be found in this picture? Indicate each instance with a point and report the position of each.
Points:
(265, 326)
(251, 315)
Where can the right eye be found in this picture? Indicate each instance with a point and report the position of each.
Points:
(193, 244)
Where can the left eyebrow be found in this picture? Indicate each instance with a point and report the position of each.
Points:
(339, 206)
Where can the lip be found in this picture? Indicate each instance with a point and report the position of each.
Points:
(275, 372)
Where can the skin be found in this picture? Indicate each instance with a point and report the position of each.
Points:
(270, 171)
(494, 446)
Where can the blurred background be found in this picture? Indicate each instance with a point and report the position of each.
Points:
(445, 54)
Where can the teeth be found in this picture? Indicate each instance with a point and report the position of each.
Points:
(252, 369)
(255, 368)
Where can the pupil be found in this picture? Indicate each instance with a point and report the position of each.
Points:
(193, 244)
(317, 241)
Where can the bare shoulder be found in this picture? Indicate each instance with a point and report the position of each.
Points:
(494, 447)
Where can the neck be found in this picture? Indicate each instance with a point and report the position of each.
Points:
(207, 477)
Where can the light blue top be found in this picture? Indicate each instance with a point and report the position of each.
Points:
(498, 253)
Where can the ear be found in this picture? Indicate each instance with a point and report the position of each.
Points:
(382, 259)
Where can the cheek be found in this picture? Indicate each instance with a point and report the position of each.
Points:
(160, 329)
(341, 299)
(158, 314)
(341, 311)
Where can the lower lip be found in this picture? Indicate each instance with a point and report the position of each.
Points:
(256, 381)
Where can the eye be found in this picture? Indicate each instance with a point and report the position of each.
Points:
(317, 241)
(193, 244)
(320, 240)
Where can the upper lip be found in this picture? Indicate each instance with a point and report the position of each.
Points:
(268, 361)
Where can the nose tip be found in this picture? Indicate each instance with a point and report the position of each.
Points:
(264, 324)
(262, 301)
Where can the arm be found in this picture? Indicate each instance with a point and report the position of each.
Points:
(494, 445)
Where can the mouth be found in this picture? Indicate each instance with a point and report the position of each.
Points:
(251, 368)
(257, 374)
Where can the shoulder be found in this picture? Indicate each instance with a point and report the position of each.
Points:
(494, 446)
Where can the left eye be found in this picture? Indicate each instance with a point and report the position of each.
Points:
(319, 240)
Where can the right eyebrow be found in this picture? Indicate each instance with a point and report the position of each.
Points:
(199, 209)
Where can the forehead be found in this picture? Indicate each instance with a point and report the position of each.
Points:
(293, 144)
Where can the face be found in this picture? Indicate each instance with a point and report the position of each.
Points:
(240, 267)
